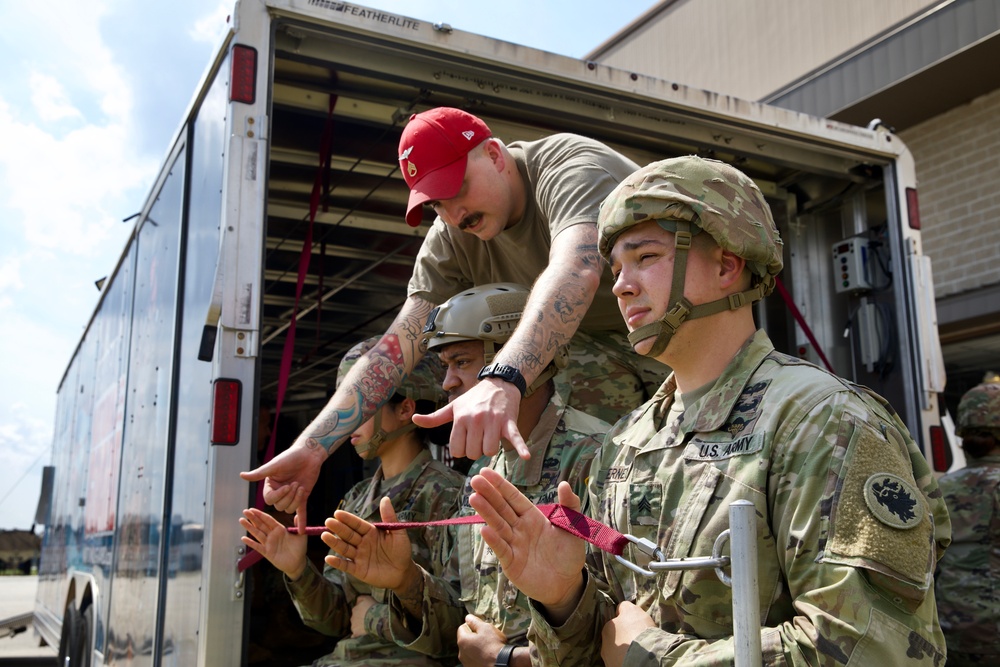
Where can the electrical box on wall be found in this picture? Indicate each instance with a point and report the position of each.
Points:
(850, 265)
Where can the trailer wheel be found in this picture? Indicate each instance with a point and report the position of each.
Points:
(70, 637)
(87, 640)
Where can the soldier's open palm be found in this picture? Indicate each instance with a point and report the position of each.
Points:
(543, 561)
(379, 558)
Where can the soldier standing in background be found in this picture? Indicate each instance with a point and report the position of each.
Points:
(968, 577)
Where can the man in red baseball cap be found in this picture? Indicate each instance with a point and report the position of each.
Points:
(521, 213)
(434, 153)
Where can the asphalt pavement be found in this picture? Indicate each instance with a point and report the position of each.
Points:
(17, 596)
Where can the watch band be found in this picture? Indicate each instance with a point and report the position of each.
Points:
(507, 374)
(504, 656)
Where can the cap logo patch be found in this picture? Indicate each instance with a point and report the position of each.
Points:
(405, 154)
(468, 134)
(411, 169)
(892, 500)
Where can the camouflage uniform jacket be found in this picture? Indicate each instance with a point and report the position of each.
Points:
(968, 578)
(563, 445)
(426, 490)
(850, 523)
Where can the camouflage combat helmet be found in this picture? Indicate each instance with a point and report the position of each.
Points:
(489, 313)
(423, 383)
(686, 195)
(979, 409)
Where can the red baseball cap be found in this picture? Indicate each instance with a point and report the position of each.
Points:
(433, 154)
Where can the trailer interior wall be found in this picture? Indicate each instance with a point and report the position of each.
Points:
(825, 183)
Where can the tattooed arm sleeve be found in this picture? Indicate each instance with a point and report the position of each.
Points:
(559, 299)
(373, 380)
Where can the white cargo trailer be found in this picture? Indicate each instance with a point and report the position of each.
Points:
(157, 410)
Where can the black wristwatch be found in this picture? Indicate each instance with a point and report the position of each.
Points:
(504, 656)
(507, 374)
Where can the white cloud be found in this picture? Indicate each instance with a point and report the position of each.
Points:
(49, 98)
(24, 437)
(25, 442)
(68, 192)
(210, 28)
(10, 274)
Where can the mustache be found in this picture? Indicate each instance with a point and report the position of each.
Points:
(470, 220)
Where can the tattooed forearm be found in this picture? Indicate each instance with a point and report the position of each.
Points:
(373, 379)
(558, 302)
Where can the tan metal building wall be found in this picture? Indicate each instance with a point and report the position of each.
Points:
(925, 67)
(747, 48)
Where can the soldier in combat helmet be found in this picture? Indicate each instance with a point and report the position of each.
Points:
(968, 575)
(474, 605)
(421, 488)
(850, 521)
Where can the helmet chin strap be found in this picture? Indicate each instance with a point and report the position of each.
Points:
(680, 309)
(380, 437)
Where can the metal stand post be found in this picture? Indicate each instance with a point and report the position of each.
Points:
(742, 536)
(746, 605)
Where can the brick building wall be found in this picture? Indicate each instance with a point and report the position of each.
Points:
(957, 157)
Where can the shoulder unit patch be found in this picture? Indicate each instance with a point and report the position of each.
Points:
(893, 501)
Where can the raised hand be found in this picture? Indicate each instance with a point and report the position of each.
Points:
(271, 539)
(545, 562)
(380, 558)
(289, 476)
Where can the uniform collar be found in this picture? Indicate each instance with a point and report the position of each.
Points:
(711, 410)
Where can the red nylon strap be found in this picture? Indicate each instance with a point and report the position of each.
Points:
(802, 322)
(580, 525)
(288, 351)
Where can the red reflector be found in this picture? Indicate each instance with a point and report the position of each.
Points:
(243, 76)
(912, 209)
(226, 413)
(940, 451)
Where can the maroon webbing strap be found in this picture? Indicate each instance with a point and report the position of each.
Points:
(802, 322)
(288, 351)
(604, 537)
(601, 536)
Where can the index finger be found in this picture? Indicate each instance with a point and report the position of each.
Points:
(513, 435)
(436, 418)
(344, 524)
(300, 519)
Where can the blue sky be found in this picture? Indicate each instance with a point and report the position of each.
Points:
(91, 96)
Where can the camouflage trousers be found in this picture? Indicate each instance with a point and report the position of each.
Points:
(606, 378)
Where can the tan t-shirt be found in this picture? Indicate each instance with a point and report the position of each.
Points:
(567, 178)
